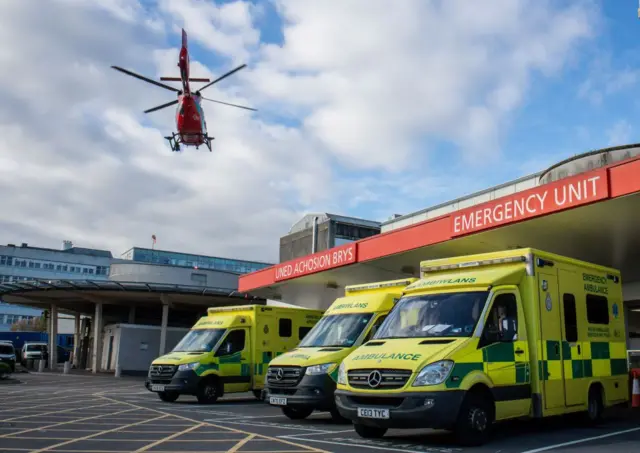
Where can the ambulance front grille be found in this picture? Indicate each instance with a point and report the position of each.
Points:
(162, 372)
(284, 376)
(378, 379)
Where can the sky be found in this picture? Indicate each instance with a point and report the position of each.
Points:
(366, 108)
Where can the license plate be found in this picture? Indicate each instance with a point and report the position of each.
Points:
(278, 401)
(157, 388)
(373, 413)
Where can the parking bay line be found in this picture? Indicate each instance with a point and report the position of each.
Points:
(273, 425)
(581, 441)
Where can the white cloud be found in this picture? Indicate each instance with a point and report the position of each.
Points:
(619, 133)
(363, 86)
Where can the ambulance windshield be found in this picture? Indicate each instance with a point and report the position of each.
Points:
(200, 340)
(336, 330)
(435, 315)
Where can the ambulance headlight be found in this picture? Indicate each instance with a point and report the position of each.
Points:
(188, 366)
(342, 375)
(316, 370)
(434, 374)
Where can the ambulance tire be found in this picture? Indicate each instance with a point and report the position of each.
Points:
(208, 391)
(168, 397)
(369, 432)
(296, 414)
(595, 405)
(259, 394)
(475, 420)
(337, 418)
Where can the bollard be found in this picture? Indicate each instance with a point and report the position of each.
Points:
(118, 370)
(67, 367)
(40, 366)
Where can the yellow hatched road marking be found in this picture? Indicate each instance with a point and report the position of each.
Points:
(55, 412)
(88, 437)
(262, 436)
(59, 424)
(240, 444)
(164, 439)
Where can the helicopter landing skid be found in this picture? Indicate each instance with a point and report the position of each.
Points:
(175, 141)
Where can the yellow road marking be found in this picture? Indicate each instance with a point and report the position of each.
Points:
(262, 436)
(42, 405)
(58, 424)
(164, 439)
(240, 444)
(54, 412)
(88, 437)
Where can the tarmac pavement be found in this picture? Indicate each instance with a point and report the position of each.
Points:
(49, 412)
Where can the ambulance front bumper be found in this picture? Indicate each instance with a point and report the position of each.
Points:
(313, 392)
(183, 382)
(415, 410)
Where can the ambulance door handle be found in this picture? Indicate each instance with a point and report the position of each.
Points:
(579, 350)
(519, 351)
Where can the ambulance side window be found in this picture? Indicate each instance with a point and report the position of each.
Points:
(302, 332)
(570, 317)
(502, 323)
(233, 343)
(374, 328)
(285, 328)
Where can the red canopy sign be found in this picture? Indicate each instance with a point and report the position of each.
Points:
(318, 262)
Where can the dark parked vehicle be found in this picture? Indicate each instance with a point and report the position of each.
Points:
(8, 355)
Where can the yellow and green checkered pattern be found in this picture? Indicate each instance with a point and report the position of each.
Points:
(598, 359)
(492, 360)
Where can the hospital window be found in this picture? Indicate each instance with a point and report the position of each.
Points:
(597, 309)
(570, 318)
(233, 343)
(285, 327)
(302, 332)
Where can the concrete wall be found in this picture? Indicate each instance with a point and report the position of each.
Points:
(172, 275)
(136, 346)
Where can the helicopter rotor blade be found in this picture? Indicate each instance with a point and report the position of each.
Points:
(232, 105)
(222, 77)
(146, 79)
(153, 109)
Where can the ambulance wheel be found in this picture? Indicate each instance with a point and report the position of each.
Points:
(595, 406)
(370, 432)
(336, 417)
(475, 420)
(259, 394)
(296, 414)
(168, 397)
(208, 392)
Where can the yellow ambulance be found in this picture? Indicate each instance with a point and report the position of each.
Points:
(304, 379)
(490, 337)
(228, 350)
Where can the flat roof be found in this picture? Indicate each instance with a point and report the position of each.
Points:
(614, 181)
(82, 295)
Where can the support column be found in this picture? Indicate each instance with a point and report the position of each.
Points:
(165, 320)
(53, 338)
(132, 314)
(97, 339)
(76, 341)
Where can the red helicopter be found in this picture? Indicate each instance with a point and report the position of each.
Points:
(190, 122)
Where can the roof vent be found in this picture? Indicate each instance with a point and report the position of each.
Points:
(24, 244)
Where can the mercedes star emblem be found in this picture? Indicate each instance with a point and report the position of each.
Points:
(279, 374)
(374, 379)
